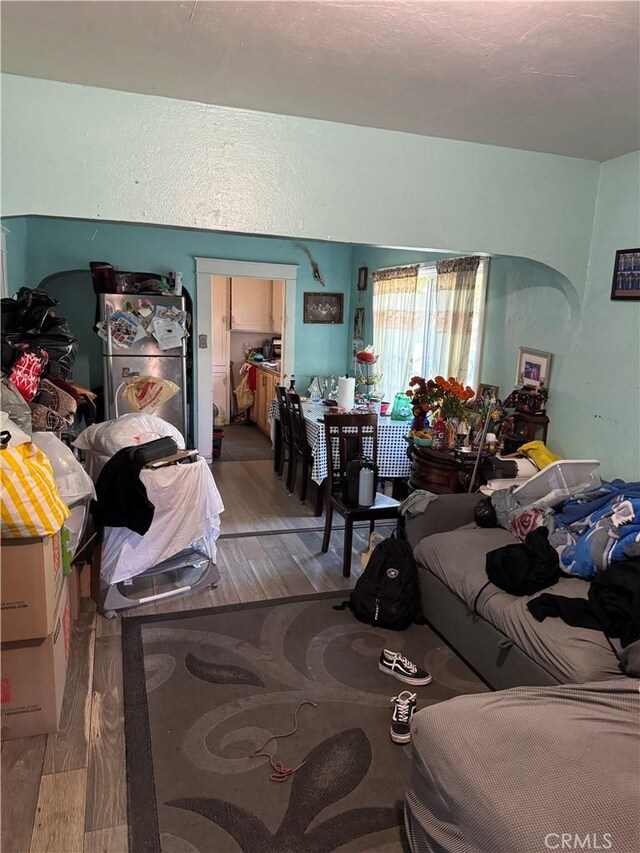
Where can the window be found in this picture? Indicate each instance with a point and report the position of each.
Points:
(428, 321)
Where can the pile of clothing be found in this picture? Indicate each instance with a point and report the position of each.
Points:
(589, 532)
(38, 353)
(594, 536)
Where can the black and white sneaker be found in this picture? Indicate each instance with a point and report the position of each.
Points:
(397, 665)
(404, 707)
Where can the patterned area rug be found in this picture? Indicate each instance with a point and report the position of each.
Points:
(219, 682)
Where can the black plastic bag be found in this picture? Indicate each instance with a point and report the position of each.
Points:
(484, 514)
(33, 309)
(61, 349)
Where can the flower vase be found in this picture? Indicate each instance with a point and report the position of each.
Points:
(451, 433)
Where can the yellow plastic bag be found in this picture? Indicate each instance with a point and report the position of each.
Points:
(244, 395)
(539, 454)
(31, 502)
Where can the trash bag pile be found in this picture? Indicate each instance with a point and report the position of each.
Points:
(38, 353)
(31, 328)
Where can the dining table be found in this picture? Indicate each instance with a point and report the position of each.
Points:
(393, 461)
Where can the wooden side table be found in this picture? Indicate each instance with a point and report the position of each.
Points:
(528, 426)
(438, 471)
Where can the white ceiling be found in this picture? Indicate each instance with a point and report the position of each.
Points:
(559, 77)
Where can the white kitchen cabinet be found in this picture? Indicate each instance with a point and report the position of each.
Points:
(220, 322)
(220, 385)
(251, 305)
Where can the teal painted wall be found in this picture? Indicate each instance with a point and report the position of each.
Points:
(60, 244)
(16, 241)
(594, 391)
(601, 379)
(88, 153)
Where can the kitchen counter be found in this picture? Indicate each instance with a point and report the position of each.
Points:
(267, 380)
(275, 370)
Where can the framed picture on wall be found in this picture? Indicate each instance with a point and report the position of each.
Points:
(363, 278)
(323, 307)
(533, 368)
(626, 275)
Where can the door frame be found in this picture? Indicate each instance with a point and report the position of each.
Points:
(205, 269)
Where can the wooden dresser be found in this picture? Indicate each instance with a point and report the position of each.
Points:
(437, 470)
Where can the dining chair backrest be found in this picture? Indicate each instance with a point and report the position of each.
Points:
(297, 424)
(345, 437)
(285, 425)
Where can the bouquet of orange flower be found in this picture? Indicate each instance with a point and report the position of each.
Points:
(445, 396)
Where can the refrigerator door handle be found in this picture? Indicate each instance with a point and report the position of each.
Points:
(108, 390)
(184, 399)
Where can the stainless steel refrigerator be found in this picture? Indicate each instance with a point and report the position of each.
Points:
(144, 358)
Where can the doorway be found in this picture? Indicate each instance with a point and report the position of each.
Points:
(223, 327)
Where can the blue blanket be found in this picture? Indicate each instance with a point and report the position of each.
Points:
(589, 502)
(610, 533)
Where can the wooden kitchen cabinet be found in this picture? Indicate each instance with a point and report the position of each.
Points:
(265, 392)
(257, 305)
(251, 305)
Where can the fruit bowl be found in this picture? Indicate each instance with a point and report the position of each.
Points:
(422, 442)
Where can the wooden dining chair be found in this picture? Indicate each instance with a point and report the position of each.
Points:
(346, 436)
(300, 450)
(285, 451)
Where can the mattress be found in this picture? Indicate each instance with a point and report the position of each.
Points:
(575, 655)
(527, 769)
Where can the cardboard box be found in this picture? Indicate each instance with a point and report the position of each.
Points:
(31, 582)
(73, 584)
(33, 678)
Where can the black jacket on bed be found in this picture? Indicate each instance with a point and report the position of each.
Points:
(612, 606)
(121, 498)
(522, 569)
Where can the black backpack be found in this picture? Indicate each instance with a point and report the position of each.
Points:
(386, 593)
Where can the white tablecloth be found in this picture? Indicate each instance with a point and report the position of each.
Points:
(392, 448)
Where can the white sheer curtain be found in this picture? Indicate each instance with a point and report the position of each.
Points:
(449, 323)
(398, 312)
(428, 322)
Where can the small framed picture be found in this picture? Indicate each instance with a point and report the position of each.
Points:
(626, 275)
(363, 278)
(323, 307)
(533, 368)
(487, 392)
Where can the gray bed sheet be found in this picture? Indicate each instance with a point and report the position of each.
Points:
(511, 772)
(573, 655)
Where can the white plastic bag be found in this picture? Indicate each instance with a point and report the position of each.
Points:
(74, 484)
(127, 430)
(17, 435)
(72, 480)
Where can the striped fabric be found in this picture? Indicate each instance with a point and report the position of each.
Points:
(31, 503)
